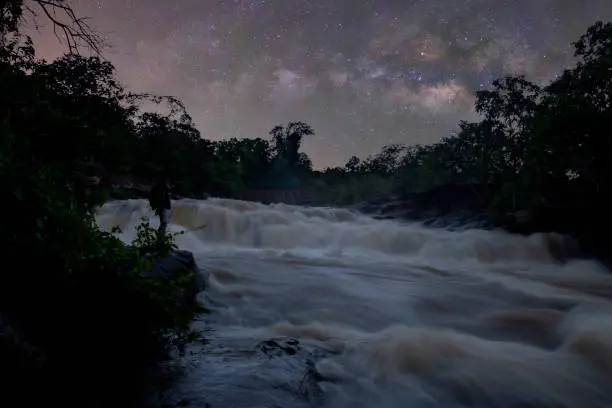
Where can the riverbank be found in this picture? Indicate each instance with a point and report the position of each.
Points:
(454, 206)
(459, 206)
(80, 307)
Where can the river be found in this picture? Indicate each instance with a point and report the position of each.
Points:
(321, 307)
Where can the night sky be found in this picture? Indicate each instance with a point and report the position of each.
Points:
(363, 73)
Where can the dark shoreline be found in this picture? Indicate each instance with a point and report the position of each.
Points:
(460, 207)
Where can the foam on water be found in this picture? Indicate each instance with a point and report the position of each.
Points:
(412, 316)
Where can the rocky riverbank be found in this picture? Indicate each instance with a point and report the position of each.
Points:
(452, 206)
(32, 363)
(460, 206)
(445, 206)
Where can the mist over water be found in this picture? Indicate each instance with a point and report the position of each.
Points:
(388, 314)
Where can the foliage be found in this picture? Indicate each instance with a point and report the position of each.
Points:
(529, 138)
(80, 295)
(71, 290)
(77, 296)
(75, 32)
(152, 242)
(544, 149)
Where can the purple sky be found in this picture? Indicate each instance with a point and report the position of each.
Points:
(363, 73)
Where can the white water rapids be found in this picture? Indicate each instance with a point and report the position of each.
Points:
(399, 314)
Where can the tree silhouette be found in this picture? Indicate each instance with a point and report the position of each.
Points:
(75, 31)
(288, 140)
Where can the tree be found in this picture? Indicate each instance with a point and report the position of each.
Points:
(353, 165)
(386, 162)
(288, 140)
(75, 31)
(572, 140)
(53, 117)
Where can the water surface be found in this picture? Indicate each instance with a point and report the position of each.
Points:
(384, 314)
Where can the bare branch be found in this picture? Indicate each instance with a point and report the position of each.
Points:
(175, 105)
(68, 27)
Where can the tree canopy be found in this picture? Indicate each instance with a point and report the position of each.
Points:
(535, 146)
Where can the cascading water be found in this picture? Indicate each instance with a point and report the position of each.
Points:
(387, 314)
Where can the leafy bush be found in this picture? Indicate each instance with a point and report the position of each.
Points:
(153, 242)
(80, 296)
(81, 318)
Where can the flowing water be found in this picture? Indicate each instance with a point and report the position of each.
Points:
(329, 308)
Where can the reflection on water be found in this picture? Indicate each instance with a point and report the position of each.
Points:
(386, 314)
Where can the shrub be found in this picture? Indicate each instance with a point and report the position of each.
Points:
(80, 296)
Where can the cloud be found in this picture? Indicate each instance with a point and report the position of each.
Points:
(338, 78)
(396, 69)
(244, 85)
(428, 48)
(446, 97)
(441, 97)
(291, 86)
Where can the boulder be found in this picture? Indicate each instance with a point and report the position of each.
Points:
(460, 203)
(175, 263)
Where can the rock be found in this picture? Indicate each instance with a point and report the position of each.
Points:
(176, 262)
(238, 372)
(456, 203)
(198, 196)
(392, 207)
(278, 347)
(563, 247)
(523, 216)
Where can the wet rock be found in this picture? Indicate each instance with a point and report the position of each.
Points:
(279, 347)
(176, 263)
(236, 372)
(451, 206)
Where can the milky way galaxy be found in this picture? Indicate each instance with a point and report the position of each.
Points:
(363, 73)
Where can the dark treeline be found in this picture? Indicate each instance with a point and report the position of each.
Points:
(74, 305)
(544, 149)
(83, 319)
(537, 146)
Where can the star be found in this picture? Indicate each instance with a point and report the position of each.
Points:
(361, 73)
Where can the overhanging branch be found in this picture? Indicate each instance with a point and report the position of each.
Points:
(67, 26)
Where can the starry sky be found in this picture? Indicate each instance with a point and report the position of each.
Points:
(363, 73)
